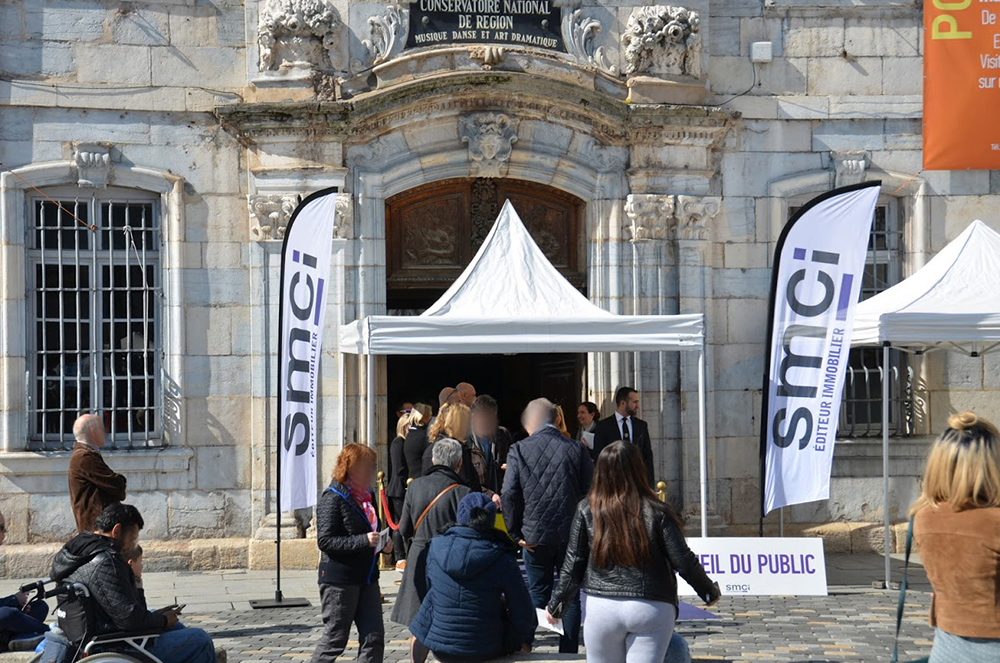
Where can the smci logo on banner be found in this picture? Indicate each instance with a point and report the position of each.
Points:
(305, 264)
(816, 283)
(761, 567)
(303, 339)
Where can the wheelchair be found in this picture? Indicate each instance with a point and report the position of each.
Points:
(120, 647)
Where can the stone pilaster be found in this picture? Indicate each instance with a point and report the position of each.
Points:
(694, 290)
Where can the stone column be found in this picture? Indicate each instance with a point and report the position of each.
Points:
(694, 292)
(650, 223)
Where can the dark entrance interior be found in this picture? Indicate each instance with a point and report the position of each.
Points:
(432, 233)
(511, 379)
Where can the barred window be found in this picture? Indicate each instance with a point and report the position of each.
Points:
(861, 407)
(93, 312)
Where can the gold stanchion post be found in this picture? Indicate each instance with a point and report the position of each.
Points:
(383, 559)
(661, 490)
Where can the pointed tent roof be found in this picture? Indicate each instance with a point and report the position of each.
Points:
(952, 300)
(511, 299)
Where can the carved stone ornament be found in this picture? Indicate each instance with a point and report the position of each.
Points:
(269, 215)
(298, 34)
(487, 56)
(93, 165)
(579, 33)
(606, 158)
(387, 36)
(343, 222)
(490, 137)
(849, 167)
(664, 39)
(693, 215)
(650, 215)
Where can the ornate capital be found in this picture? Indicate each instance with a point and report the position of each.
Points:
(849, 167)
(579, 32)
(343, 225)
(664, 39)
(93, 165)
(299, 34)
(490, 137)
(650, 216)
(693, 215)
(269, 215)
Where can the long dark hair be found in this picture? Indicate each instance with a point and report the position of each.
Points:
(618, 497)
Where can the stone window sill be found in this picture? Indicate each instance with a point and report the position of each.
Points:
(28, 463)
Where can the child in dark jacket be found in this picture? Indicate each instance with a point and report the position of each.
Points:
(477, 607)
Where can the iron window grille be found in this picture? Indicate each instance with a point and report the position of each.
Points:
(93, 313)
(861, 404)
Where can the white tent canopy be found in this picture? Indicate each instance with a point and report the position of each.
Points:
(952, 301)
(510, 299)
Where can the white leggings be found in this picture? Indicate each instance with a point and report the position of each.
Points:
(627, 630)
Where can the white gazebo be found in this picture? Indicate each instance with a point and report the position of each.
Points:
(510, 299)
(951, 303)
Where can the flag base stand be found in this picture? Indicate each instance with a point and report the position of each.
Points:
(280, 601)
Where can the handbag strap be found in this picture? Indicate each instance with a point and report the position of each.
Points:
(902, 591)
(444, 492)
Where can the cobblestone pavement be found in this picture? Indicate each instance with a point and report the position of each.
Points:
(843, 627)
(854, 623)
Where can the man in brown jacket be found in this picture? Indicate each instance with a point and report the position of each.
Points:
(92, 484)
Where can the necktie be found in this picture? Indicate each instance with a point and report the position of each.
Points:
(625, 436)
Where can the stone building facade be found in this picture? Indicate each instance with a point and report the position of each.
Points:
(654, 162)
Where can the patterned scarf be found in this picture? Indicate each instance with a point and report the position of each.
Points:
(363, 496)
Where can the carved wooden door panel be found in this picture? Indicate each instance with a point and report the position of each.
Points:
(433, 232)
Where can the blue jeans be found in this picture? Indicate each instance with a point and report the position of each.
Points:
(541, 566)
(31, 621)
(678, 651)
(184, 645)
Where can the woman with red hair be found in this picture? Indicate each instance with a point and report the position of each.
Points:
(347, 530)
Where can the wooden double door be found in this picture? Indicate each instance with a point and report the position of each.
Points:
(432, 233)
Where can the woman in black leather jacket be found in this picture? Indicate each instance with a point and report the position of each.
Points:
(626, 565)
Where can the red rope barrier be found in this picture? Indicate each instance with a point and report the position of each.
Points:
(385, 509)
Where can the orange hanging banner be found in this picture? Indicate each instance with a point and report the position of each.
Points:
(961, 84)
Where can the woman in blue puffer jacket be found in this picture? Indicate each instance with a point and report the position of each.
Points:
(477, 607)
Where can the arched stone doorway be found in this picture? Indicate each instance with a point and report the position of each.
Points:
(432, 233)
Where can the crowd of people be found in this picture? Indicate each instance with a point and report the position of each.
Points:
(469, 500)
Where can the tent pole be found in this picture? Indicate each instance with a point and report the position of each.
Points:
(702, 443)
(370, 400)
(886, 538)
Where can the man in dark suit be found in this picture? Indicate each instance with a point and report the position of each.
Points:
(625, 425)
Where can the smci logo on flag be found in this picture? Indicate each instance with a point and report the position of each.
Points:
(815, 287)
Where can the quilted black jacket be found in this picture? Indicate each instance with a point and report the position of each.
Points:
(342, 536)
(547, 475)
(116, 605)
(654, 581)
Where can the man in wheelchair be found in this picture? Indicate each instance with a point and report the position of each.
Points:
(115, 604)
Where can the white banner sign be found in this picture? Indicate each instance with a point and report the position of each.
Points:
(305, 269)
(816, 281)
(761, 567)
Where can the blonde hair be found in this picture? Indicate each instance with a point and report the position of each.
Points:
(561, 421)
(963, 467)
(417, 415)
(452, 421)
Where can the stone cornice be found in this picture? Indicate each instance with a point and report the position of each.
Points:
(610, 120)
